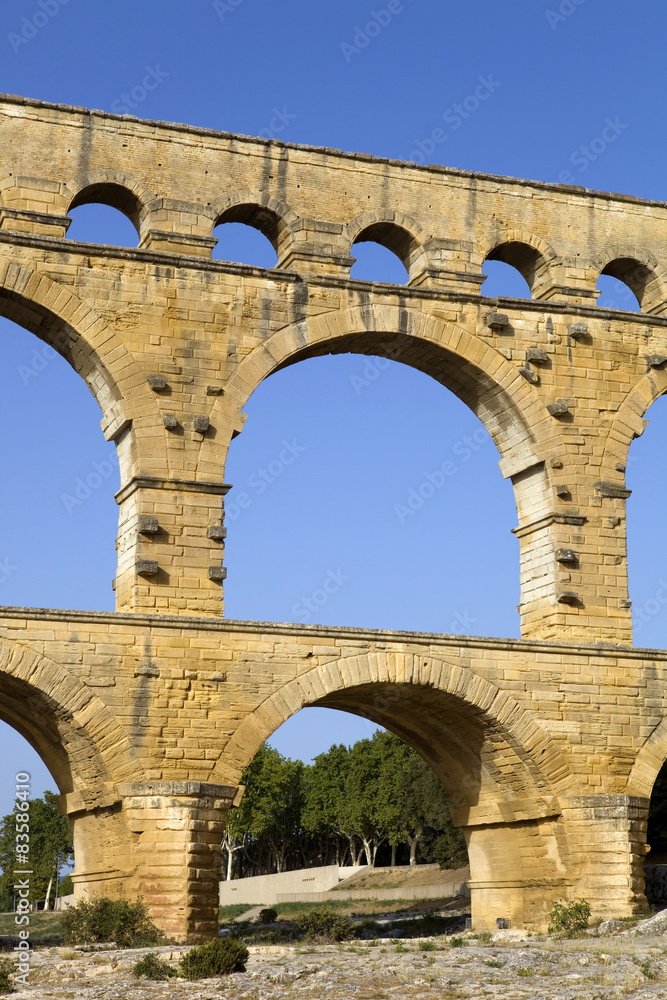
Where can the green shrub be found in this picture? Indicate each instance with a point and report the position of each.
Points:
(153, 967)
(93, 921)
(525, 972)
(66, 887)
(569, 918)
(324, 924)
(456, 942)
(215, 958)
(427, 945)
(267, 916)
(482, 936)
(6, 969)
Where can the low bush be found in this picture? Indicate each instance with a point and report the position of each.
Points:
(215, 958)
(427, 945)
(93, 921)
(569, 918)
(6, 968)
(324, 924)
(267, 916)
(151, 966)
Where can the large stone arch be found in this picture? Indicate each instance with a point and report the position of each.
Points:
(506, 777)
(66, 722)
(629, 421)
(505, 403)
(455, 719)
(480, 376)
(61, 319)
(649, 762)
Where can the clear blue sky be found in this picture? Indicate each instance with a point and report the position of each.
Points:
(367, 432)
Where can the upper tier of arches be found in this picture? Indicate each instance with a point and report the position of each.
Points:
(307, 245)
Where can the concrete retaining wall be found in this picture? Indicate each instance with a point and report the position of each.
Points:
(443, 891)
(314, 885)
(269, 889)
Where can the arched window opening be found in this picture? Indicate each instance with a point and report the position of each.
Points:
(647, 547)
(616, 291)
(366, 495)
(108, 214)
(248, 234)
(243, 244)
(513, 269)
(376, 263)
(57, 507)
(503, 280)
(363, 799)
(384, 252)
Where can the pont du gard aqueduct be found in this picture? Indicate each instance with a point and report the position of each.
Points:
(548, 745)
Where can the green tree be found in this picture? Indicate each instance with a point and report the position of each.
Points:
(267, 824)
(325, 793)
(427, 818)
(50, 849)
(368, 807)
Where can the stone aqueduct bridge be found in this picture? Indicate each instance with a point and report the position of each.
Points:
(548, 745)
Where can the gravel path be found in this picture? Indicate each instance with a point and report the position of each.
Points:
(595, 969)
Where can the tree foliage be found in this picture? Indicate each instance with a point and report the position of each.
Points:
(50, 849)
(374, 800)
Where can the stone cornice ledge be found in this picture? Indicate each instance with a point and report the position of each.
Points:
(186, 622)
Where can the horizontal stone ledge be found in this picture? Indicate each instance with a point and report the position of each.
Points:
(194, 789)
(13, 618)
(85, 801)
(514, 465)
(509, 811)
(101, 875)
(540, 523)
(522, 883)
(160, 483)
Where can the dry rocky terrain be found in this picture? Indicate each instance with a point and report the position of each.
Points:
(621, 963)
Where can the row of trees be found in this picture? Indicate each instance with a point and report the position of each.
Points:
(376, 801)
(51, 850)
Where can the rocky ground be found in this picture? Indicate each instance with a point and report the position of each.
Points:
(619, 964)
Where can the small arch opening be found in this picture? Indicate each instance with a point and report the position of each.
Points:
(248, 234)
(384, 252)
(512, 270)
(624, 284)
(108, 214)
(239, 243)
